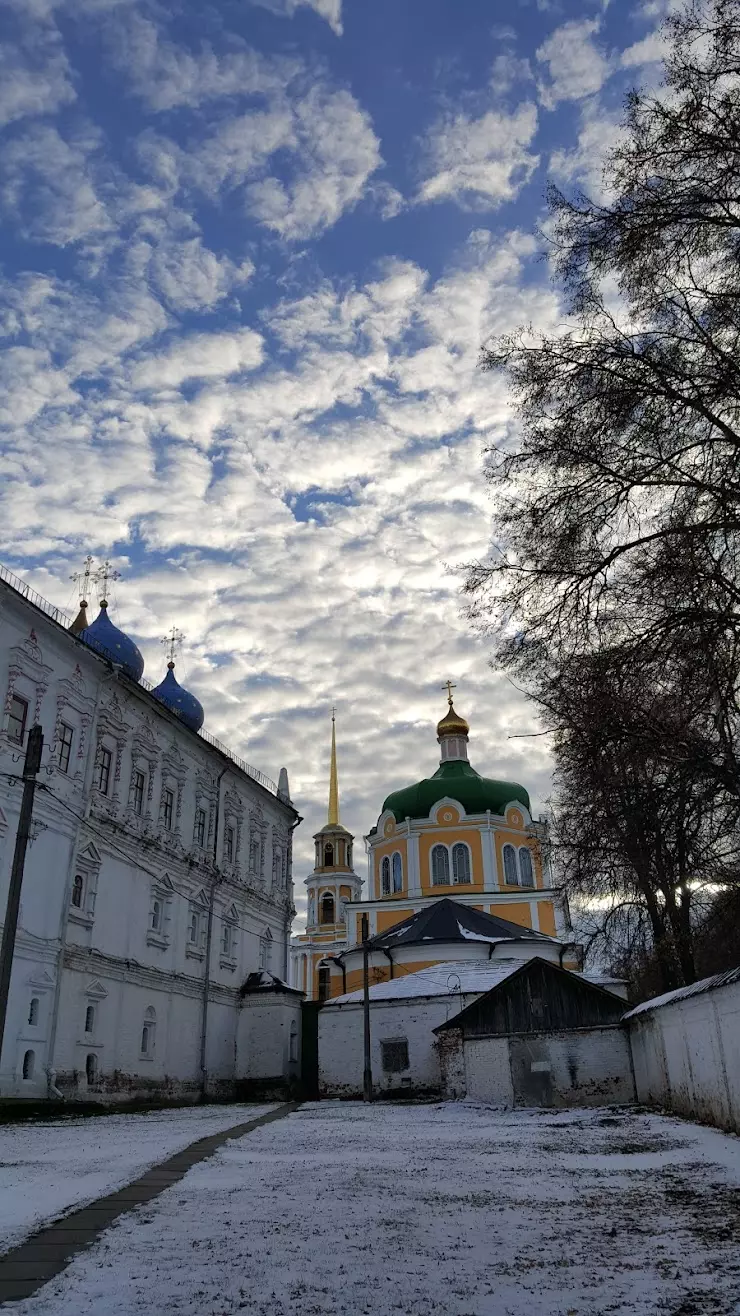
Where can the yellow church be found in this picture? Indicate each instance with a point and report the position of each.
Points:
(457, 870)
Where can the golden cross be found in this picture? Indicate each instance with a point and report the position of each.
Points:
(82, 578)
(449, 686)
(172, 642)
(103, 575)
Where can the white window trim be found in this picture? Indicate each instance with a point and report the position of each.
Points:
(399, 891)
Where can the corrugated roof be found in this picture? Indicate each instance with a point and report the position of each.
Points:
(682, 993)
(446, 920)
(451, 978)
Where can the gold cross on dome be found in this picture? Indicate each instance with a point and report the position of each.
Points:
(449, 686)
(103, 576)
(82, 579)
(172, 643)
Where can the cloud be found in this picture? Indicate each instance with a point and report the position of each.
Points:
(576, 65)
(583, 164)
(34, 80)
(331, 10)
(480, 162)
(201, 356)
(650, 50)
(48, 186)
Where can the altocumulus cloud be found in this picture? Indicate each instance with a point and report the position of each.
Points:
(240, 351)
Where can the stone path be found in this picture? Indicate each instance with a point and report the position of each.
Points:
(26, 1268)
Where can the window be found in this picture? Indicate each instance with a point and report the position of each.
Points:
(89, 1018)
(324, 984)
(148, 1031)
(511, 876)
(397, 873)
(65, 746)
(168, 809)
(385, 877)
(194, 927)
(17, 721)
(327, 908)
(525, 866)
(155, 916)
(229, 845)
(33, 1011)
(139, 784)
(328, 856)
(266, 950)
(460, 863)
(394, 1054)
(29, 1061)
(104, 765)
(200, 827)
(91, 1068)
(349, 854)
(226, 939)
(78, 890)
(440, 866)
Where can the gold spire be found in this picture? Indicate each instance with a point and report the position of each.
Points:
(333, 782)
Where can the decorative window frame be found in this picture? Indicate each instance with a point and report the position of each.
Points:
(112, 734)
(396, 890)
(228, 958)
(163, 891)
(93, 995)
(28, 678)
(174, 776)
(257, 841)
(87, 864)
(198, 905)
(75, 708)
(384, 876)
(148, 1022)
(449, 847)
(519, 883)
(526, 886)
(267, 942)
(233, 817)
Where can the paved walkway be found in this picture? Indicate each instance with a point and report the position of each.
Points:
(26, 1268)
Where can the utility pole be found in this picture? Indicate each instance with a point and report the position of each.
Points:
(31, 766)
(367, 1076)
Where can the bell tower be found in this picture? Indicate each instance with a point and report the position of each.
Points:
(333, 883)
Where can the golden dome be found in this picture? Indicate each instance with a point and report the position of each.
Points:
(452, 724)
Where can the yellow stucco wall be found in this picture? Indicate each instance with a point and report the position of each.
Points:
(448, 836)
(515, 913)
(387, 918)
(387, 848)
(546, 912)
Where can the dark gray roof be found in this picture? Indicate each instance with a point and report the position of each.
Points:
(264, 981)
(446, 920)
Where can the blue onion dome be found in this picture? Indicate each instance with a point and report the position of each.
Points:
(180, 702)
(107, 640)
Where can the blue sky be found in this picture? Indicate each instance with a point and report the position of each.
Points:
(249, 254)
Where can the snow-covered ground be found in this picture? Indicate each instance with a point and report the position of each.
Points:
(47, 1169)
(452, 1210)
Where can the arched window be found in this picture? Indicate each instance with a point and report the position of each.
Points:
(324, 984)
(440, 866)
(327, 908)
(349, 854)
(89, 1018)
(511, 876)
(397, 873)
(460, 863)
(525, 866)
(385, 876)
(328, 856)
(33, 1011)
(78, 889)
(266, 949)
(156, 915)
(29, 1060)
(91, 1068)
(147, 1032)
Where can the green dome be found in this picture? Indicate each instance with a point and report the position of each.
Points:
(459, 781)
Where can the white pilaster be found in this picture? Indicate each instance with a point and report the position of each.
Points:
(490, 882)
(412, 859)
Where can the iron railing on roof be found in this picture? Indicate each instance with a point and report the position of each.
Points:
(63, 619)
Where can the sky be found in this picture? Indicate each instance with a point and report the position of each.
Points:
(250, 250)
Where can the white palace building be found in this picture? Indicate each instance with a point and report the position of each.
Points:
(152, 944)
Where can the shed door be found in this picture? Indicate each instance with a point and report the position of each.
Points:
(531, 1072)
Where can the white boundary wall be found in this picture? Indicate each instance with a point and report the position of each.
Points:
(686, 1055)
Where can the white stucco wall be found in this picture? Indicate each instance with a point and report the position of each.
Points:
(582, 1067)
(341, 1054)
(263, 1037)
(105, 950)
(687, 1056)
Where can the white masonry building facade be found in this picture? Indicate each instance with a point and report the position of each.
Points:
(157, 890)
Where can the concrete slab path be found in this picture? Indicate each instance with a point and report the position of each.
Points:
(44, 1254)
